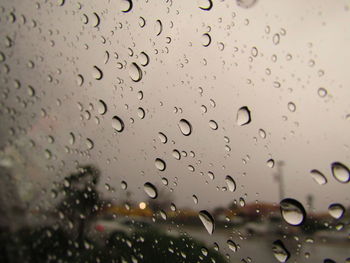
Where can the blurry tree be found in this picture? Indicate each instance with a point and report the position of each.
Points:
(81, 200)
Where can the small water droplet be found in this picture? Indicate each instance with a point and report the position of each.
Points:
(291, 107)
(195, 199)
(254, 52)
(276, 39)
(207, 220)
(246, 3)
(322, 92)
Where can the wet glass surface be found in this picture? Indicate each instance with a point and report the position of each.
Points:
(174, 131)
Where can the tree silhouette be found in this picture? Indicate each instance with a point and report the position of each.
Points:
(81, 200)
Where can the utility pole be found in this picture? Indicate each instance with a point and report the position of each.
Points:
(279, 178)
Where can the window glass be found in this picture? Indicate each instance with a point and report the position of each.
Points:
(174, 131)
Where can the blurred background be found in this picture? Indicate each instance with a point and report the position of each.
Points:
(174, 131)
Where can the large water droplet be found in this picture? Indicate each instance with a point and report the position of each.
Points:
(160, 164)
(340, 172)
(127, 6)
(279, 251)
(231, 184)
(185, 127)
(117, 124)
(336, 210)
(292, 211)
(135, 72)
(243, 116)
(318, 177)
(150, 190)
(207, 220)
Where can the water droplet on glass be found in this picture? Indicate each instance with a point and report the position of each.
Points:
(143, 59)
(176, 154)
(291, 107)
(322, 92)
(127, 6)
(276, 39)
(150, 190)
(213, 125)
(135, 72)
(243, 116)
(231, 245)
(195, 199)
(185, 127)
(206, 40)
(162, 137)
(318, 177)
(231, 184)
(124, 185)
(160, 164)
(158, 27)
(292, 211)
(340, 172)
(141, 113)
(97, 73)
(336, 210)
(207, 220)
(205, 5)
(89, 144)
(246, 3)
(262, 133)
(117, 124)
(97, 20)
(163, 214)
(101, 107)
(254, 52)
(280, 252)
